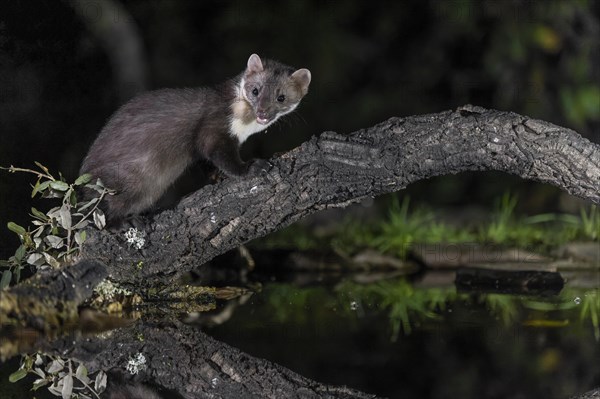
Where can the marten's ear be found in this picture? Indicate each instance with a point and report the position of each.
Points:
(254, 64)
(302, 78)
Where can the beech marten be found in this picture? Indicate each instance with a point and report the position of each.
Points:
(148, 143)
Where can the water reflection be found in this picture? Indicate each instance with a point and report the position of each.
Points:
(392, 337)
(401, 339)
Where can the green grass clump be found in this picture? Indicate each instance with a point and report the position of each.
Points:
(544, 230)
(402, 227)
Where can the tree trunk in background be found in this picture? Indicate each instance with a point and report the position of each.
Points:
(111, 24)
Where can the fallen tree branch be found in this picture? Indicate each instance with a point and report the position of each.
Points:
(335, 170)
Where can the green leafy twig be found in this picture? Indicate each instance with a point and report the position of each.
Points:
(57, 235)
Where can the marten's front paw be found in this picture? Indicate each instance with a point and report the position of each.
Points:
(259, 166)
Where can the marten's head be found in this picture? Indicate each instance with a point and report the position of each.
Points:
(273, 89)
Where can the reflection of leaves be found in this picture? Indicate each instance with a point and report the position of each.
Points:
(290, 303)
(83, 179)
(59, 377)
(404, 303)
(503, 306)
(590, 307)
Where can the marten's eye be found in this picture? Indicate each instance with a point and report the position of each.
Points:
(255, 92)
(281, 98)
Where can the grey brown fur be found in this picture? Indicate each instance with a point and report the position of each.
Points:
(148, 143)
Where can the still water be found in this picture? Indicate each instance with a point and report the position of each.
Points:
(410, 339)
(421, 340)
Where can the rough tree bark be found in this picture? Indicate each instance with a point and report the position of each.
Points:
(335, 170)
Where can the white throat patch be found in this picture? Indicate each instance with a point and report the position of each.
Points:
(243, 131)
(240, 106)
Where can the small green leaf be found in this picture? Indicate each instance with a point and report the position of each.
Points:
(16, 228)
(59, 185)
(83, 179)
(82, 374)
(17, 275)
(86, 205)
(20, 253)
(17, 375)
(80, 237)
(41, 188)
(72, 197)
(5, 280)
(65, 217)
(35, 188)
(37, 214)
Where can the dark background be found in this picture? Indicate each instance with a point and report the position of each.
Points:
(60, 77)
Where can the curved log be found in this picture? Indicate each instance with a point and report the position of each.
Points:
(335, 170)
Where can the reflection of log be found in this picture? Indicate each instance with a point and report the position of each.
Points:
(184, 360)
(505, 281)
(335, 170)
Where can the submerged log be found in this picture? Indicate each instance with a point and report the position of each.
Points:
(518, 282)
